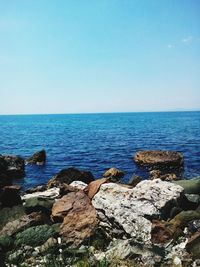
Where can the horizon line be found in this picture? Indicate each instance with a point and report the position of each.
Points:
(92, 113)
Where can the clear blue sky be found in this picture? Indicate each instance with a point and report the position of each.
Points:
(73, 56)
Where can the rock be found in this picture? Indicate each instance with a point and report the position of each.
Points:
(93, 187)
(10, 214)
(159, 160)
(6, 242)
(80, 218)
(114, 174)
(164, 231)
(193, 245)
(190, 186)
(51, 242)
(157, 174)
(9, 196)
(131, 208)
(51, 193)
(70, 175)
(37, 158)
(22, 223)
(11, 166)
(35, 236)
(39, 188)
(134, 180)
(79, 185)
(39, 204)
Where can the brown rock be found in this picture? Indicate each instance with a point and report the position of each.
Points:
(37, 158)
(155, 174)
(114, 174)
(80, 218)
(70, 175)
(93, 187)
(158, 159)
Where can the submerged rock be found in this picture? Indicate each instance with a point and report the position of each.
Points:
(37, 158)
(70, 175)
(114, 174)
(159, 160)
(130, 208)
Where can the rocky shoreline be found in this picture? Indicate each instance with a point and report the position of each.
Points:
(77, 220)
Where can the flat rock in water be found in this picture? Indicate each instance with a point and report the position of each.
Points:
(130, 208)
(158, 159)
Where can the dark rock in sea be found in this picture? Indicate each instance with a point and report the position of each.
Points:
(70, 175)
(37, 158)
(9, 196)
(159, 160)
(114, 174)
(157, 174)
(39, 188)
(134, 180)
(190, 186)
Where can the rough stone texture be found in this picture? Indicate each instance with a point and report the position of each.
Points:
(70, 175)
(11, 166)
(160, 160)
(190, 186)
(79, 185)
(22, 223)
(10, 214)
(93, 187)
(157, 174)
(80, 217)
(37, 158)
(129, 208)
(114, 174)
(193, 245)
(39, 204)
(51, 193)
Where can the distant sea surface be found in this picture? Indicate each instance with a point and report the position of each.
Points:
(97, 142)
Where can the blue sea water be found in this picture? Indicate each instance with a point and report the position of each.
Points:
(97, 142)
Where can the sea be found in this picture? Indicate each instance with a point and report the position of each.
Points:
(97, 142)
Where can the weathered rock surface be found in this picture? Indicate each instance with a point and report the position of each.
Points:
(114, 174)
(93, 187)
(193, 245)
(157, 174)
(190, 186)
(37, 158)
(11, 167)
(39, 204)
(10, 214)
(79, 185)
(130, 208)
(22, 223)
(70, 175)
(80, 217)
(159, 160)
(51, 193)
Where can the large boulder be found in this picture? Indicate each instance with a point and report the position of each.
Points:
(70, 175)
(131, 209)
(11, 167)
(159, 160)
(37, 158)
(78, 215)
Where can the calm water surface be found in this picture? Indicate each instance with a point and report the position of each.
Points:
(97, 142)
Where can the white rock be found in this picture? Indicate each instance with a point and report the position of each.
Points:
(51, 193)
(130, 207)
(78, 184)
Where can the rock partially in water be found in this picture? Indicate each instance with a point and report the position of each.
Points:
(130, 208)
(38, 158)
(114, 174)
(11, 167)
(70, 175)
(159, 160)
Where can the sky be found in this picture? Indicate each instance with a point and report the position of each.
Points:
(80, 56)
